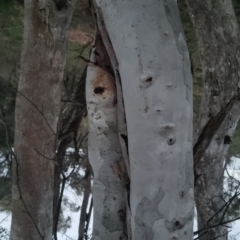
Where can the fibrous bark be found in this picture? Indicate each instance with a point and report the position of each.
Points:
(145, 42)
(36, 117)
(218, 41)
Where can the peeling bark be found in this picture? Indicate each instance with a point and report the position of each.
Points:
(148, 53)
(217, 34)
(104, 149)
(36, 118)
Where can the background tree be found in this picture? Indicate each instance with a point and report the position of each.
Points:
(217, 34)
(79, 39)
(46, 26)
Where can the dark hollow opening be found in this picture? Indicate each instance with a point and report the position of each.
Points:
(149, 79)
(99, 90)
(177, 223)
(227, 139)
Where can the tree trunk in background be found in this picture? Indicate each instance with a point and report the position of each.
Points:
(153, 66)
(57, 186)
(82, 231)
(104, 149)
(218, 41)
(37, 110)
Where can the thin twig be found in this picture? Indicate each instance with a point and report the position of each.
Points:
(36, 107)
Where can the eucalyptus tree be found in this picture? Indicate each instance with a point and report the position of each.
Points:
(217, 34)
(46, 24)
(139, 98)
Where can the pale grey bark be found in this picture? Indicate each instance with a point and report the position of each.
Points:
(153, 66)
(104, 149)
(46, 25)
(217, 34)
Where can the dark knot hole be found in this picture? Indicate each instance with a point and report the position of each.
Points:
(99, 90)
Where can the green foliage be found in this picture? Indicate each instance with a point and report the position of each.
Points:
(6, 6)
(11, 13)
(11, 31)
(194, 56)
(74, 65)
(236, 4)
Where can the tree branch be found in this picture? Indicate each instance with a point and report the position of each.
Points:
(36, 107)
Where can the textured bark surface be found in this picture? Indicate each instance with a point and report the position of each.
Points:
(218, 40)
(154, 69)
(104, 149)
(37, 110)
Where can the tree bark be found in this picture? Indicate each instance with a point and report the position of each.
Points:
(149, 56)
(83, 215)
(46, 26)
(218, 41)
(104, 149)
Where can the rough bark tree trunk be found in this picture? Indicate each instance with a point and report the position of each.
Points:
(218, 41)
(149, 56)
(46, 26)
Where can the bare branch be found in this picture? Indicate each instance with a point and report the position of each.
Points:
(36, 107)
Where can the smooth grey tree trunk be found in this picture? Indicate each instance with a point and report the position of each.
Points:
(217, 34)
(145, 42)
(104, 148)
(46, 26)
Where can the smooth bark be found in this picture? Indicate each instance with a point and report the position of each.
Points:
(148, 54)
(46, 26)
(217, 34)
(104, 148)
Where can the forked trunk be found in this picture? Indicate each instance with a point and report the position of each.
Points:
(218, 41)
(149, 58)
